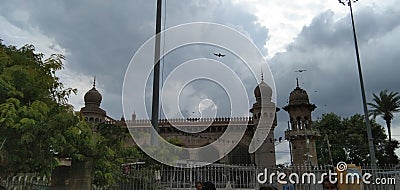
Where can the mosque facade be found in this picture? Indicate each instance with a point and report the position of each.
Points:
(301, 135)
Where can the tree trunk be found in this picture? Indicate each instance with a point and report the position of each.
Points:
(388, 122)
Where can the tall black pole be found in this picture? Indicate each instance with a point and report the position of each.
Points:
(156, 78)
(366, 115)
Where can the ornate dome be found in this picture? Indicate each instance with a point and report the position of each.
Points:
(263, 89)
(93, 97)
(298, 96)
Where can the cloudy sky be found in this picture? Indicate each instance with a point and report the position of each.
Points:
(99, 39)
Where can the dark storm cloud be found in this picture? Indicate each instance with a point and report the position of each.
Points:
(325, 49)
(101, 37)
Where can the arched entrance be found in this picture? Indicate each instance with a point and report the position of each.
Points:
(239, 155)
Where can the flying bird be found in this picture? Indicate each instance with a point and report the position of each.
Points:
(219, 54)
(300, 70)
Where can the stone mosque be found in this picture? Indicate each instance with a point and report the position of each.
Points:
(300, 133)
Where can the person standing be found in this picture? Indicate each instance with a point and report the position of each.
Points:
(199, 185)
(209, 186)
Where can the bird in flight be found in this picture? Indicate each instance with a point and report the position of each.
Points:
(219, 54)
(300, 70)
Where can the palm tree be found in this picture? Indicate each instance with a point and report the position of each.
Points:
(385, 105)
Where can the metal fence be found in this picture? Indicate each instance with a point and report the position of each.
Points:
(223, 176)
(245, 177)
(25, 182)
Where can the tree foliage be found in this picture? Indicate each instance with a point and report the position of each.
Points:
(37, 125)
(34, 115)
(348, 141)
(112, 152)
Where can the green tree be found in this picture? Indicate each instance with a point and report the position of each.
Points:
(385, 105)
(113, 150)
(347, 137)
(38, 126)
(331, 126)
(34, 113)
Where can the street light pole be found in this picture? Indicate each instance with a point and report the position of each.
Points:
(366, 115)
(156, 76)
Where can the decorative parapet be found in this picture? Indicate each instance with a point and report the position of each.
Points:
(221, 121)
(290, 134)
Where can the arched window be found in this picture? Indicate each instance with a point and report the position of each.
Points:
(298, 122)
(306, 122)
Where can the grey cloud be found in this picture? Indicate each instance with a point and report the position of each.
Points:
(326, 49)
(101, 36)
